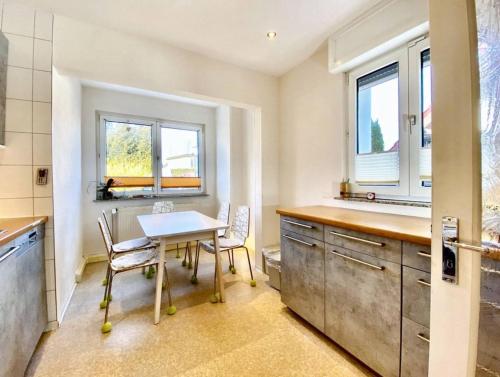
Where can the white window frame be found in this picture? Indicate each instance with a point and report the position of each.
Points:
(415, 106)
(409, 103)
(156, 125)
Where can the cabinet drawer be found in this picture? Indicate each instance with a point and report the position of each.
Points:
(363, 307)
(380, 247)
(417, 256)
(303, 227)
(416, 295)
(414, 350)
(303, 277)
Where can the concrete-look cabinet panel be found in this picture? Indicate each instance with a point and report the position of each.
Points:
(23, 308)
(363, 307)
(416, 295)
(417, 256)
(303, 276)
(380, 247)
(414, 350)
(303, 227)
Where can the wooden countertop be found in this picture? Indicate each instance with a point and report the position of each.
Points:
(406, 228)
(14, 227)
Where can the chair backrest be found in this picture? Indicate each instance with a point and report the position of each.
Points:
(240, 226)
(106, 237)
(106, 222)
(223, 215)
(163, 207)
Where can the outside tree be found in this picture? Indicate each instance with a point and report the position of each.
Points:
(377, 137)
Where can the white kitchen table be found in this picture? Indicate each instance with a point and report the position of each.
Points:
(179, 227)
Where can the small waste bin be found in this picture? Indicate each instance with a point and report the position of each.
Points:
(272, 265)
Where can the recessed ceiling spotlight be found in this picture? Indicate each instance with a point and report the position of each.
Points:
(271, 35)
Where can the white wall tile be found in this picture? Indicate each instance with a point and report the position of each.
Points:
(17, 151)
(19, 83)
(16, 182)
(42, 117)
(42, 207)
(43, 55)
(50, 278)
(18, 19)
(42, 149)
(42, 86)
(51, 305)
(18, 115)
(49, 245)
(43, 25)
(16, 207)
(20, 51)
(42, 191)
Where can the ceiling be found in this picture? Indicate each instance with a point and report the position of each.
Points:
(233, 31)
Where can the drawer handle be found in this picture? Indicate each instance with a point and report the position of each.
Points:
(379, 244)
(10, 252)
(423, 282)
(423, 337)
(298, 224)
(424, 254)
(381, 268)
(299, 241)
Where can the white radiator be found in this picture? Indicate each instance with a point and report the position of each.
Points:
(125, 225)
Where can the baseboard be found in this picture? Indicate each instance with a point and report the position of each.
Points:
(79, 270)
(95, 258)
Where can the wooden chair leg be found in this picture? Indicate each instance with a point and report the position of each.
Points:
(102, 304)
(190, 255)
(178, 255)
(194, 278)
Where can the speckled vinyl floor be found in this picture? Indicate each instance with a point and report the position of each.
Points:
(252, 334)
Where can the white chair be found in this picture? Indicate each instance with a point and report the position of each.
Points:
(222, 215)
(121, 260)
(125, 246)
(165, 207)
(236, 239)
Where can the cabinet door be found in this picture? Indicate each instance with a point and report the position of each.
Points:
(302, 277)
(414, 350)
(31, 301)
(417, 295)
(8, 318)
(363, 307)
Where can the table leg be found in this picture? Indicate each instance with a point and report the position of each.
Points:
(159, 279)
(218, 268)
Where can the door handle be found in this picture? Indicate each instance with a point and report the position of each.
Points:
(424, 254)
(10, 252)
(423, 337)
(423, 282)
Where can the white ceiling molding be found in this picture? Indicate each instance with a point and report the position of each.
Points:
(386, 26)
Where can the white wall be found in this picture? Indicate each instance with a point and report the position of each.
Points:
(67, 166)
(313, 114)
(100, 54)
(94, 100)
(223, 152)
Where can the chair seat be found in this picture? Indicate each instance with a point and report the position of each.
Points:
(224, 244)
(134, 259)
(130, 245)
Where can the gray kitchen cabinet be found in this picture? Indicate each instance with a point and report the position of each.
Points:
(31, 305)
(302, 227)
(23, 307)
(417, 256)
(303, 276)
(414, 350)
(363, 307)
(416, 295)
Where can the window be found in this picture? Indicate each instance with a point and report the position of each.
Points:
(150, 157)
(390, 132)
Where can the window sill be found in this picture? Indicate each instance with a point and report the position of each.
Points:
(362, 198)
(151, 197)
